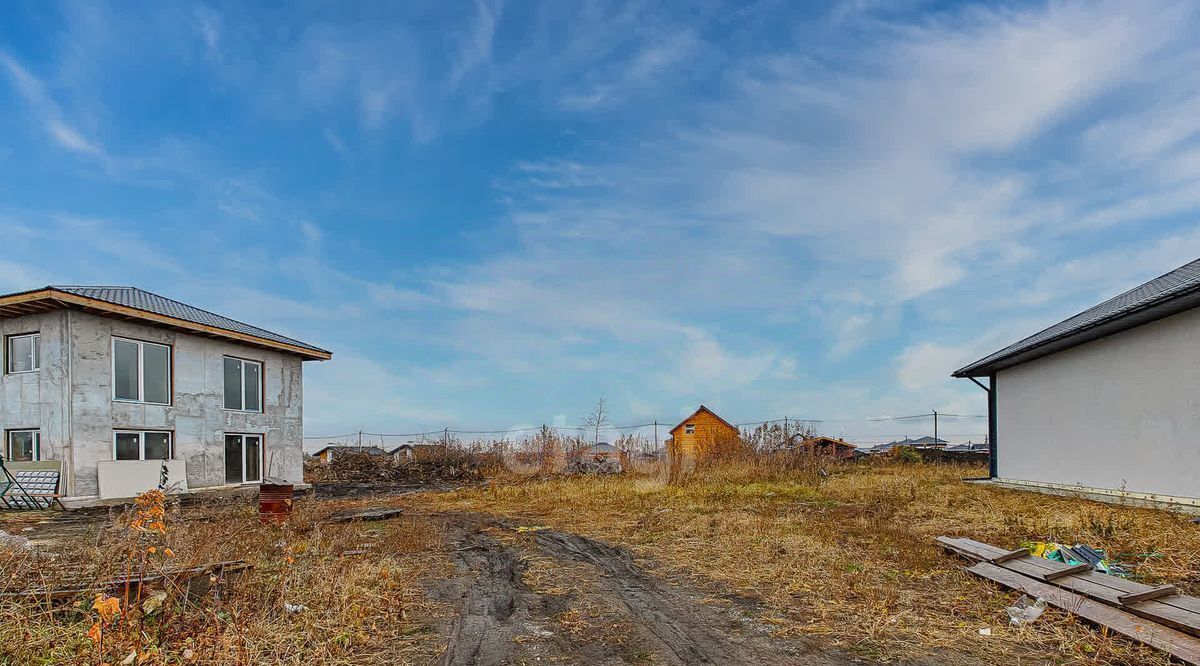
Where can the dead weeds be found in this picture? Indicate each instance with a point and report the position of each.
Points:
(849, 554)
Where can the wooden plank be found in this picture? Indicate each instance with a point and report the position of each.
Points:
(1010, 555)
(1152, 593)
(1177, 644)
(1068, 571)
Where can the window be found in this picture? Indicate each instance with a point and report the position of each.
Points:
(243, 385)
(141, 445)
(23, 353)
(689, 429)
(23, 445)
(243, 458)
(141, 372)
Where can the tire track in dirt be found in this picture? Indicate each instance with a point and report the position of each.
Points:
(686, 631)
(495, 607)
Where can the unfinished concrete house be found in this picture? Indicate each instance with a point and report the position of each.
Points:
(107, 383)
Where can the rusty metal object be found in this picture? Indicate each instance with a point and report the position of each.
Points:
(274, 502)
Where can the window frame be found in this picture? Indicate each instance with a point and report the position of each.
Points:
(142, 444)
(262, 386)
(262, 455)
(141, 371)
(689, 428)
(37, 444)
(37, 353)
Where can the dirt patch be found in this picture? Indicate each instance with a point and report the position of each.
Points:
(495, 605)
(591, 603)
(684, 630)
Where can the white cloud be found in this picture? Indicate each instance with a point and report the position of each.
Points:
(33, 90)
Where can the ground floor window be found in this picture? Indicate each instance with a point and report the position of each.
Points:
(243, 458)
(141, 445)
(23, 445)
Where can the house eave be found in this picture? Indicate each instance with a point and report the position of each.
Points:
(43, 300)
(1100, 329)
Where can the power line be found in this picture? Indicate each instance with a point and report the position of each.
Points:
(505, 431)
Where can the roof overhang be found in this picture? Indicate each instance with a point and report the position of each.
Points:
(43, 300)
(1100, 329)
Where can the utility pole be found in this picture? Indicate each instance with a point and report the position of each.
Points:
(360, 439)
(786, 441)
(446, 437)
(935, 428)
(656, 436)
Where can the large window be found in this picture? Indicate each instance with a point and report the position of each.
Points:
(23, 353)
(141, 371)
(243, 458)
(23, 445)
(243, 385)
(141, 445)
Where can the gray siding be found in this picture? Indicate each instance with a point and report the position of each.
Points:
(1119, 413)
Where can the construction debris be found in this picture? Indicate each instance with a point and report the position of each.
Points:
(1155, 616)
(1075, 555)
(449, 465)
(198, 580)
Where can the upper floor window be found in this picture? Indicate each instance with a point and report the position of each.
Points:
(25, 445)
(689, 429)
(141, 371)
(243, 385)
(23, 352)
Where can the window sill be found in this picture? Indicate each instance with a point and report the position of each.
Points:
(24, 372)
(143, 402)
(242, 411)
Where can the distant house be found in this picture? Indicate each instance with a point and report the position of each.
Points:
(109, 386)
(827, 446)
(925, 442)
(700, 431)
(327, 454)
(1104, 402)
(417, 451)
(967, 447)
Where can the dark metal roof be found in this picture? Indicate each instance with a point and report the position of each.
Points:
(1161, 297)
(132, 297)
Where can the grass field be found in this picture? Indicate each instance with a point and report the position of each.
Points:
(843, 557)
(850, 557)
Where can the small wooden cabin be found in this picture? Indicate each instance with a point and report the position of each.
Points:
(827, 446)
(702, 432)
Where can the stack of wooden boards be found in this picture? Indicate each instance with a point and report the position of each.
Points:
(1157, 616)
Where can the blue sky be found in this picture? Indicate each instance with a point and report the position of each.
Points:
(495, 213)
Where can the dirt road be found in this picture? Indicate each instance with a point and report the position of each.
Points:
(551, 597)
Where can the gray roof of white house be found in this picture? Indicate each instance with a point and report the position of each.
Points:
(139, 299)
(1161, 297)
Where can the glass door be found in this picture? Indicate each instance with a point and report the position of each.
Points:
(243, 458)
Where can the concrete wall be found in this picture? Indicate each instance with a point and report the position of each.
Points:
(36, 400)
(70, 399)
(1119, 413)
(197, 417)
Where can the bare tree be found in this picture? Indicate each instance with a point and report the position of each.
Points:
(597, 420)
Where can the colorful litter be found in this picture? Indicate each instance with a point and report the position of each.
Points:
(1077, 554)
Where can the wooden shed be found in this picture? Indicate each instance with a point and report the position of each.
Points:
(701, 434)
(827, 446)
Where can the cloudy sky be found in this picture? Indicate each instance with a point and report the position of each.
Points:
(495, 213)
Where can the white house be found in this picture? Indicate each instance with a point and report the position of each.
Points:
(1106, 402)
(112, 381)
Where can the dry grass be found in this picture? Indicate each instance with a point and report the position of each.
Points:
(849, 556)
(360, 609)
